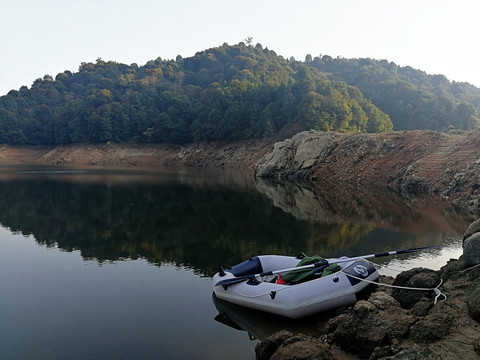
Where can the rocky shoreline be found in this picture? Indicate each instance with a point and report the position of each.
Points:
(413, 164)
(240, 154)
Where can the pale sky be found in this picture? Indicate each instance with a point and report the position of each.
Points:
(40, 37)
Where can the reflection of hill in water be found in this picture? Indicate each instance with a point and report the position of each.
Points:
(367, 206)
(196, 221)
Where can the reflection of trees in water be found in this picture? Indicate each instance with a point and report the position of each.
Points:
(193, 226)
(196, 226)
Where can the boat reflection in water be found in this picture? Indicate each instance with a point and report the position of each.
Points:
(260, 325)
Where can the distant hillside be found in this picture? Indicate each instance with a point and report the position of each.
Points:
(412, 98)
(229, 93)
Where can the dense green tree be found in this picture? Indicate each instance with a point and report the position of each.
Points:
(467, 116)
(231, 92)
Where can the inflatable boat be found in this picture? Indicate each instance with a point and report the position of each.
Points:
(294, 287)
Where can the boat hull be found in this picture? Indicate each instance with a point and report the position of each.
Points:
(299, 300)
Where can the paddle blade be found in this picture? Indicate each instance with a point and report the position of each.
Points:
(232, 281)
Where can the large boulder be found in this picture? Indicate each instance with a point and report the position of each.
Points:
(452, 268)
(376, 323)
(294, 159)
(473, 301)
(271, 165)
(285, 345)
(435, 325)
(471, 249)
(473, 228)
(417, 278)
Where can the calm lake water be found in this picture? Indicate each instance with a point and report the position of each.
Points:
(105, 264)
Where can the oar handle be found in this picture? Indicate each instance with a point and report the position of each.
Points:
(418, 249)
(386, 253)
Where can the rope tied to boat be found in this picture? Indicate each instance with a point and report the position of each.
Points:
(436, 290)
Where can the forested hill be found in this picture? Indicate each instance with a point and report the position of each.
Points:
(228, 93)
(224, 93)
(412, 98)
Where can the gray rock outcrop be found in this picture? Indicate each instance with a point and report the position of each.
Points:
(413, 164)
(294, 159)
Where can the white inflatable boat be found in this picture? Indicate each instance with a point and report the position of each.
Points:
(259, 283)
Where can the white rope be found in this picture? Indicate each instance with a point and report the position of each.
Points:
(436, 290)
(470, 268)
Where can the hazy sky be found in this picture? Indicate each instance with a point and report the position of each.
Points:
(41, 37)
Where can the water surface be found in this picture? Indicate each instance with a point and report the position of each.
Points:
(117, 265)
